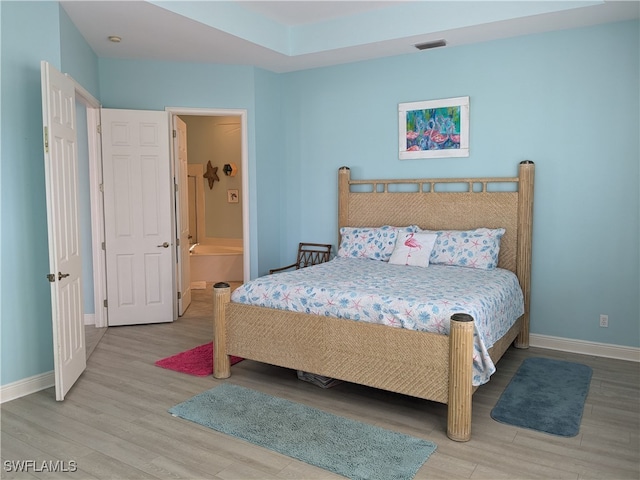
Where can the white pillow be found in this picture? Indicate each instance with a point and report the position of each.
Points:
(413, 249)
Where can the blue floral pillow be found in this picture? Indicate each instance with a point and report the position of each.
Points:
(477, 248)
(375, 243)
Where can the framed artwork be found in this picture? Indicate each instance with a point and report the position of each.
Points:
(434, 128)
(232, 196)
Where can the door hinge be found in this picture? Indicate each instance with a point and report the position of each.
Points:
(99, 129)
(102, 187)
(175, 133)
(177, 242)
(104, 246)
(175, 187)
(179, 295)
(105, 304)
(51, 277)
(46, 139)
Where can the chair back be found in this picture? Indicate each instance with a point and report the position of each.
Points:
(312, 254)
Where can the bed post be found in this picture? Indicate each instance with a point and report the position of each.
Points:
(460, 377)
(221, 364)
(523, 254)
(344, 177)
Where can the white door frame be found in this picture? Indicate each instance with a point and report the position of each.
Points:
(244, 169)
(97, 218)
(97, 205)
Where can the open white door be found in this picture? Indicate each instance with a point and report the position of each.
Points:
(65, 261)
(182, 214)
(137, 216)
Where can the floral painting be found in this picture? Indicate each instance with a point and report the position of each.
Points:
(434, 128)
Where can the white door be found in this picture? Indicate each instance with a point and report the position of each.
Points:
(182, 214)
(65, 261)
(137, 216)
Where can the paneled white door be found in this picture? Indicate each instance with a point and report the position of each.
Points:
(65, 260)
(137, 215)
(182, 213)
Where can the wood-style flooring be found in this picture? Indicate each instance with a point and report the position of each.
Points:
(114, 422)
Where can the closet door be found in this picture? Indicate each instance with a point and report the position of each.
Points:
(140, 251)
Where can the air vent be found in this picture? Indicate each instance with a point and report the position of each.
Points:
(434, 44)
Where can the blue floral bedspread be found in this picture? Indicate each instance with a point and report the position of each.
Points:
(402, 296)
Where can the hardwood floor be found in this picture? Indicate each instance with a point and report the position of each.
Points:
(93, 336)
(114, 422)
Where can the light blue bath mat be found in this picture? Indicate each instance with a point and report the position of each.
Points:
(354, 449)
(546, 395)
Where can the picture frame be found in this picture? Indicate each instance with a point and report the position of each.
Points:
(232, 196)
(434, 128)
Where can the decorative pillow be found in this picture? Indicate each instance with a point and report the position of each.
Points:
(413, 249)
(375, 243)
(477, 248)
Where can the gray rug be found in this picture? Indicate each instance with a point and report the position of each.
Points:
(354, 449)
(545, 395)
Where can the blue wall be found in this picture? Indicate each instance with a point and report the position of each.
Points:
(30, 34)
(268, 215)
(567, 100)
(77, 58)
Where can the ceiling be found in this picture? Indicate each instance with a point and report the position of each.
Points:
(284, 36)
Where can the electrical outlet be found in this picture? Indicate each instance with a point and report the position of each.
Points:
(604, 320)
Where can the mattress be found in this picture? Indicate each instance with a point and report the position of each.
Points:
(400, 296)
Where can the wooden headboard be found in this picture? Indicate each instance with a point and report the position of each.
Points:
(449, 204)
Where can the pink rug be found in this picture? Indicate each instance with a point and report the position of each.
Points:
(197, 361)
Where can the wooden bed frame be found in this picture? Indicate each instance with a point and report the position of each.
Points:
(424, 365)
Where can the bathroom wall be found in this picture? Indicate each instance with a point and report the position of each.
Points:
(218, 140)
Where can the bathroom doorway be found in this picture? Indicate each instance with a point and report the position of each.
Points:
(216, 198)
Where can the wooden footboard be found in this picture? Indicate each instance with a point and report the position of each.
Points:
(374, 355)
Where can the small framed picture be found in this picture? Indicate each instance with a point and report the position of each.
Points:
(434, 128)
(232, 196)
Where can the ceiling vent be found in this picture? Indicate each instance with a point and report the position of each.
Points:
(428, 45)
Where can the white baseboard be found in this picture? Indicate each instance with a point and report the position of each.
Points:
(26, 386)
(584, 347)
(89, 318)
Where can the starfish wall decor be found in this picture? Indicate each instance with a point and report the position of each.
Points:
(212, 174)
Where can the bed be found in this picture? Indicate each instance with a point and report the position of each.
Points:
(429, 365)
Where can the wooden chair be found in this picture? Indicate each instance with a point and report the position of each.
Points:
(308, 254)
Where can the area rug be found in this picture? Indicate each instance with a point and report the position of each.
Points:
(545, 395)
(350, 448)
(197, 361)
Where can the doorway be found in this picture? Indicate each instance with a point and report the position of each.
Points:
(217, 178)
(97, 209)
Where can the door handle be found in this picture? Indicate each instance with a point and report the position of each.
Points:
(164, 245)
(62, 275)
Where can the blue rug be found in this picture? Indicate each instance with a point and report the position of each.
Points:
(545, 395)
(353, 449)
